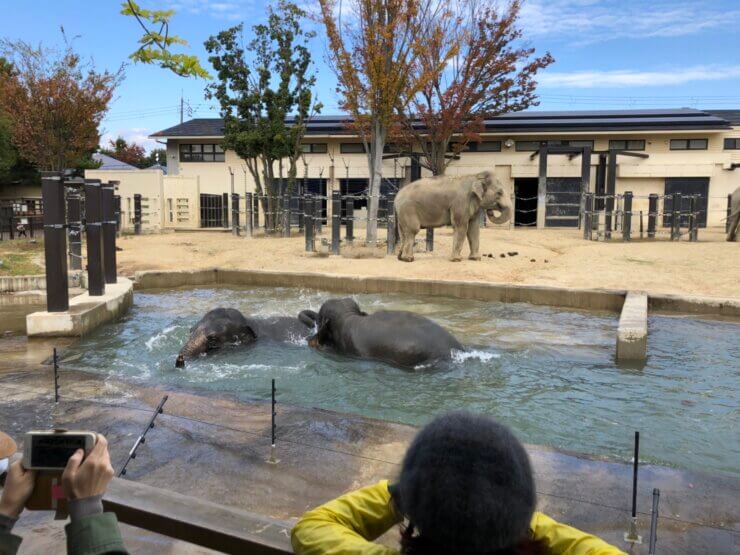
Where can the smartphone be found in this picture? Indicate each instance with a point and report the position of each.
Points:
(50, 450)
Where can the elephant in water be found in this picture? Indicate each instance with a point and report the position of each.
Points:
(228, 326)
(734, 216)
(400, 338)
(442, 200)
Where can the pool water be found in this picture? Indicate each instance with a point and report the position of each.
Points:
(549, 373)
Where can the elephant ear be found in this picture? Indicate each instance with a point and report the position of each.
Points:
(483, 181)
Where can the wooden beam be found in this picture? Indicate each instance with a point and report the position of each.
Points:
(542, 187)
(195, 520)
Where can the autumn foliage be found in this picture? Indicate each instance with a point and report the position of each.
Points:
(54, 103)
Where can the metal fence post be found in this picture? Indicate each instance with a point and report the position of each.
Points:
(74, 229)
(55, 242)
(627, 216)
(108, 222)
(336, 220)
(676, 218)
(137, 213)
(693, 226)
(93, 224)
(588, 206)
(349, 214)
(248, 216)
(256, 213)
(727, 221)
(286, 215)
(308, 223)
(235, 213)
(318, 213)
(652, 215)
(391, 225)
(430, 239)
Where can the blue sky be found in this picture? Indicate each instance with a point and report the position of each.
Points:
(609, 53)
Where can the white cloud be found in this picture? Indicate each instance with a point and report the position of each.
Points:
(220, 9)
(138, 135)
(588, 21)
(631, 78)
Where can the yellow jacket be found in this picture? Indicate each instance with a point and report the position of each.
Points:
(349, 524)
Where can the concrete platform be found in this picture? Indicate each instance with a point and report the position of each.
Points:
(85, 313)
(632, 330)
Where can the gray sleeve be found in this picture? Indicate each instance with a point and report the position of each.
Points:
(7, 523)
(87, 506)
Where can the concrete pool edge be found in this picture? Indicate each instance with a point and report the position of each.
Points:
(587, 299)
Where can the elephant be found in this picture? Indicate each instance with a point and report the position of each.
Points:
(734, 217)
(442, 200)
(228, 326)
(399, 338)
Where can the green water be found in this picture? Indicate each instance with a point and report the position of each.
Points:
(548, 373)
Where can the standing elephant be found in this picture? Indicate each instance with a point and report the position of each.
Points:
(401, 338)
(439, 201)
(228, 326)
(734, 215)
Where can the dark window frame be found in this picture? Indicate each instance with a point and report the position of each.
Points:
(201, 152)
(674, 144)
(479, 146)
(731, 143)
(519, 145)
(315, 148)
(613, 145)
(344, 146)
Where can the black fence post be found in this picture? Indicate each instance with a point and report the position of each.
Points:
(137, 214)
(225, 210)
(74, 229)
(248, 205)
(286, 215)
(727, 221)
(93, 225)
(588, 207)
(318, 214)
(676, 218)
(693, 227)
(308, 223)
(55, 362)
(627, 216)
(349, 214)
(430, 239)
(336, 220)
(55, 242)
(117, 208)
(391, 233)
(235, 214)
(108, 226)
(256, 224)
(652, 215)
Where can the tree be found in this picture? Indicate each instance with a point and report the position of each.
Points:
(8, 153)
(157, 156)
(491, 75)
(265, 93)
(374, 53)
(156, 45)
(54, 103)
(122, 151)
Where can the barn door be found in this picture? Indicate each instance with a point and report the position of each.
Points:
(563, 201)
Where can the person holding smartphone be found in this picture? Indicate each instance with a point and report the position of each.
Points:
(84, 482)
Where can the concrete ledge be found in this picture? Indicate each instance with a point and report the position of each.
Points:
(694, 304)
(85, 312)
(13, 284)
(632, 330)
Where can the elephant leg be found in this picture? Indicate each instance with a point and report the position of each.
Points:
(474, 238)
(458, 238)
(407, 231)
(734, 223)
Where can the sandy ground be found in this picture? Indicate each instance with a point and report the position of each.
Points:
(544, 257)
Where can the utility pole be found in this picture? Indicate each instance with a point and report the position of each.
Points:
(182, 105)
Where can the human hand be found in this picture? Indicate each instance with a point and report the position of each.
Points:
(18, 488)
(89, 477)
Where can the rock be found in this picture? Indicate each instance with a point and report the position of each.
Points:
(513, 253)
(502, 255)
(532, 260)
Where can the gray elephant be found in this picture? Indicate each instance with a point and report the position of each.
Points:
(439, 201)
(227, 326)
(734, 215)
(400, 338)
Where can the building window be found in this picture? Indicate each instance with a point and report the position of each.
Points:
(732, 144)
(352, 148)
(627, 144)
(201, 153)
(314, 148)
(485, 146)
(689, 144)
(530, 146)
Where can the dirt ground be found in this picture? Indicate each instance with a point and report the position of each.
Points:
(710, 266)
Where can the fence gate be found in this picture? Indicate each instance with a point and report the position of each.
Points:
(211, 210)
(687, 186)
(563, 201)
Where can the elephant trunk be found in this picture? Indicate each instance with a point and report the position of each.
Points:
(503, 217)
(197, 344)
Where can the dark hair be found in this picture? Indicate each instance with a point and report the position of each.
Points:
(466, 486)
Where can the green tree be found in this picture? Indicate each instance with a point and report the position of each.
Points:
(8, 153)
(265, 93)
(133, 154)
(156, 44)
(156, 156)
